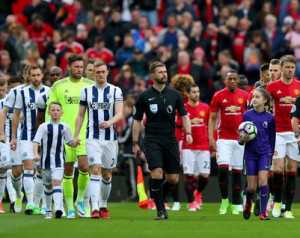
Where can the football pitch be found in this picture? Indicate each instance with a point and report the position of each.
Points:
(127, 220)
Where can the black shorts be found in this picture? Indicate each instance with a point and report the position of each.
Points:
(162, 152)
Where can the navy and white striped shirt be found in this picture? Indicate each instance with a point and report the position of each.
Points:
(51, 137)
(7, 125)
(27, 102)
(100, 104)
(42, 100)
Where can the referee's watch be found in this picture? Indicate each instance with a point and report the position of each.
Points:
(134, 142)
(189, 133)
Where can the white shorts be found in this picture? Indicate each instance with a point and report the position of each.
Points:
(104, 153)
(52, 174)
(15, 156)
(27, 150)
(286, 144)
(196, 162)
(5, 154)
(230, 152)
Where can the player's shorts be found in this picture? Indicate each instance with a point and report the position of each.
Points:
(162, 152)
(230, 152)
(26, 150)
(15, 155)
(52, 174)
(286, 145)
(196, 162)
(5, 154)
(254, 166)
(104, 153)
(73, 153)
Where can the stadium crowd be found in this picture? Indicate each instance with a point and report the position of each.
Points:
(204, 39)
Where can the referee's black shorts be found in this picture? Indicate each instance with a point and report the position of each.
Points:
(162, 152)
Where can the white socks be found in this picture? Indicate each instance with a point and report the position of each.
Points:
(28, 185)
(38, 190)
(105, 188)
(95, 191)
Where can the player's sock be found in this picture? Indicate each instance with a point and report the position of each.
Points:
(236, 185)
(87, 195)
(157, 192)
(278, 182)
(202, 182)
(105, 188)
(249, 196)
(83, 179)
(94, 188)
(28, 186)
(270, 183)
(48, 195)
(195, 182)
(223, 180)
(167, 188)
(57, 192)
(17, 184)
(68, 191)
(10, 188)
(150, 185)
(290, 188)
(175, 194)
(2, 185)
(188, 185)
(264, 197)
(43, 200)
(38, 190)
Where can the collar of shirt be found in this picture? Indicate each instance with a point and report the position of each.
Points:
(159, 92)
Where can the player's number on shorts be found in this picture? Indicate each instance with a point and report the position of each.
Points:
(206, 165)
(113, 163)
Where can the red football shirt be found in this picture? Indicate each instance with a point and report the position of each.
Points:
(232, 106)
(105, 54)
(40, 36)
(250, 96)
(284, 96)
(199, 116)
(178, 127)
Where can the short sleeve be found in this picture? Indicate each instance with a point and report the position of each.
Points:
(214, 104)
(83, 97)
(11, 99)
(138, 110)
(295, 111)
(39, 134)
(118, 95)
(41, 102)
(68, 134)
(19, 102)
(180, 106)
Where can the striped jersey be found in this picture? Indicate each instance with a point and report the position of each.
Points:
(51, 137)
(27, 102)
(7, 125)
(100, 105)
(42, 100)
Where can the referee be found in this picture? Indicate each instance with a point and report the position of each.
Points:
(159, 103)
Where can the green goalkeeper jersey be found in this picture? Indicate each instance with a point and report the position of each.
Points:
(68, 94)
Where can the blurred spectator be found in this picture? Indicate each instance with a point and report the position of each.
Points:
(67, 47)
(89, 68)
(126, 79)
(104, 7)
(23, 46)
(243, 83)
(99, 51)
(186, 22)
(50, 62)
(38, 7)
(15, 30)
(252, 62)
(148, 10)
(52, 75)
(126, 52)
(273, 35)
(82, 35)
(117, 26)
(135, 17)
(99, 29)
(7, 46)
(33, 57)
(246, 11)
(183, 43)
(221, 82)
(40, 32)
(208, 10)
(267, 8)
(6, 69)
(294, 42)
(66, 15)
(169, 35)
(196, 37)
(290, 8)
(140, 86)
(81, 15)
(139, 34)
(144, 44)
(223, 16)
(138, 64)
(288, 23)
(51, 45)
(177, 10)
(151, 55)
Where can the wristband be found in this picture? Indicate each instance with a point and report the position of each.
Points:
(188, 133)
(134, 142)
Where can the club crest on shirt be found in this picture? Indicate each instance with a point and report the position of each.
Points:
(240, 100)
(202, 113)
(9, 116)
(297, 91)
(275, 153)
(153, 108)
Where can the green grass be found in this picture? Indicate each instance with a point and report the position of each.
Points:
(127, 220)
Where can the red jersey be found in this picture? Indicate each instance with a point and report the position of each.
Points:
(40, 36)
(105, 54)
(178, 127)
(250, 96)
(199, 116)
(284, 96)
(232, 106)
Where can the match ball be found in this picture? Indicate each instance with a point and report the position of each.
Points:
(247, 128)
